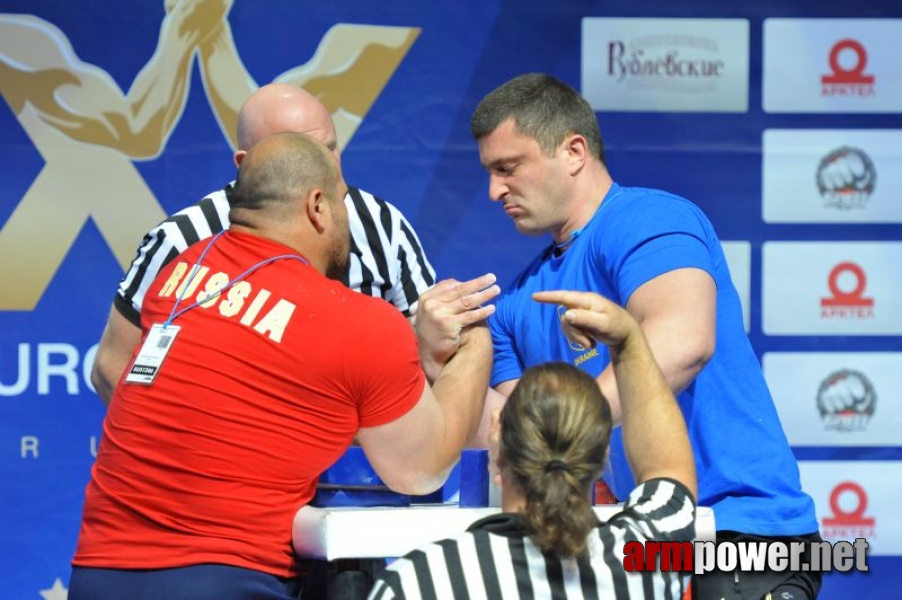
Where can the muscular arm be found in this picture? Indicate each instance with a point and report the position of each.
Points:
(445, 310)
(84, 102)
(414, 453)
(158, 94)
(120, 336)
(677, 312)
(361, 58)
(349, 57)
(494, 402)
(654, 432)
(226, 80)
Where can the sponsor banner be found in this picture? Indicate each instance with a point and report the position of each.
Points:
(832, 176)
(832, 65)
(739, 261)
(857, 499)
(666, 65)
(837, 398)
(831, 288)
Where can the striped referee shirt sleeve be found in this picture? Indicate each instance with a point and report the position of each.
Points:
(387, 260)
(163, 243)
(664, 510)
(417, 275)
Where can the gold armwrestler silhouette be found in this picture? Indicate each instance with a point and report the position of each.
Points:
(88, 132)
(348, 71)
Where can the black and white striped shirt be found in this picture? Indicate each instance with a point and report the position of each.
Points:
(387, 260)
(495, 559)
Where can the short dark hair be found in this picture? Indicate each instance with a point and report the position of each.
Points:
(543, 108)
(555, 429)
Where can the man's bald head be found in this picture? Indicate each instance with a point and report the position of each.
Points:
(278, 108)
(283, 168)
(290, 190)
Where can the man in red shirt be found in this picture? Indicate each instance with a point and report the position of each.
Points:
(256, 372)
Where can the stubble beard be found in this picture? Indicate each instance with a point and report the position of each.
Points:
(339, 259)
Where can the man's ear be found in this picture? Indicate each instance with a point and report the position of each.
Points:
(577, 150)
(317, 209)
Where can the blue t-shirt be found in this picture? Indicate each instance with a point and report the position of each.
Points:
(746, 470)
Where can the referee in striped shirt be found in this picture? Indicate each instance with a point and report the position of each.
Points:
(387, 259)
(548, 449)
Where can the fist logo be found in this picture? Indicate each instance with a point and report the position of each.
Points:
(846, 400)
(846, 177)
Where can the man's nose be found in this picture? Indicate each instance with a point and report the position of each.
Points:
(497, 188)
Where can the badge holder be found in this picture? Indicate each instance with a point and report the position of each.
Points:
(150, 357)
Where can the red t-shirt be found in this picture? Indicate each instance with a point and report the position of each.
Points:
(263, 388)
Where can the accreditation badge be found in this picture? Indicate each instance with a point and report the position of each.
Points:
(150, 357)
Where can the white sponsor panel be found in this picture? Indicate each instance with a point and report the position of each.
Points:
(832, 65)
(832, 288)
(857, 499)
(666, 65)
(739, 261)
(837, 398)
(832, 176)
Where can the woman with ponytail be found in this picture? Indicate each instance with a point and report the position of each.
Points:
(556, 426)
(549, 445)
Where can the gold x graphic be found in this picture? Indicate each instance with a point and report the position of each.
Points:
(89, 132)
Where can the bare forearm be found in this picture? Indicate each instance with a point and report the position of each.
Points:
(226, 80)
(677, 313)
(103, 383)
(414, 453)
(432, 368)
(106, 372)
(114, 352)
(654, 433)
(678, 374)
(159, 92)
(494, 401)
(445, 311)
(460, 389)
(136, 123)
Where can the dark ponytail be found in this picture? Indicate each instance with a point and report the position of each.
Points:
(555, 429)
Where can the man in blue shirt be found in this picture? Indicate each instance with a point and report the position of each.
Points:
(657, 255)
